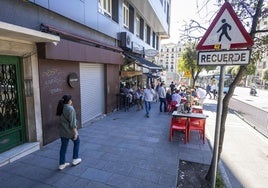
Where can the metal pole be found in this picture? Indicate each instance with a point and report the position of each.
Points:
(217, 129)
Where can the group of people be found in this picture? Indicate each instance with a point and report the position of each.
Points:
(173, 95)
(143, 97)
(179, 95)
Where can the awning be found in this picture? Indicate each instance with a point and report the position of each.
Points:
(149, 75)
(25, 34)
(143, 62)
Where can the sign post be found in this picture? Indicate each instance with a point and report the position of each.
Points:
(225, 32)
(217, 128)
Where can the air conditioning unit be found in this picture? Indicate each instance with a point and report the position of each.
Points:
(125, 40)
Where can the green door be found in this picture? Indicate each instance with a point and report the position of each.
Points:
(12, 127)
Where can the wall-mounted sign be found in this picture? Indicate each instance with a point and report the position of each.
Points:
(137, 48)
(73, 79)
(151, 52)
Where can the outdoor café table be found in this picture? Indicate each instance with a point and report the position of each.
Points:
(193, 106)
(188, 116)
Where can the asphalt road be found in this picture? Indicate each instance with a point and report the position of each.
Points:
(244, 155)
(253, 109)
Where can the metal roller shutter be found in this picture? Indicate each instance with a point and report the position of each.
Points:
(92, 91)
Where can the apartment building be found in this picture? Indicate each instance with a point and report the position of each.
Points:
(77, 47)
(169, 59)
(262, 63)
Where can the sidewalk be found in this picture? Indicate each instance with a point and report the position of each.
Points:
(126, 149)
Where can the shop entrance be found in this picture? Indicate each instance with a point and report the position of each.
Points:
(12, 127)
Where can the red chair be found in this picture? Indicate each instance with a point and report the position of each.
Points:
(197, 124)
(171, 106)
(178, 124)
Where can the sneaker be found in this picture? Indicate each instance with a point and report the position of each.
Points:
(61, 167)
(76, 161)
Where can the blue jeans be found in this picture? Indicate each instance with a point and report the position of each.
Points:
(163, 101)
(147, 107)
(64, 146)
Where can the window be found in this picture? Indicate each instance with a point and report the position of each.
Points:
(125, 15)
(148, 35)
(154, 36)
(157, 42)
(131, 19)
(110, 9)
(141, 28)
(167, 13)
(105, 7)
(165, 6)
(138, 26)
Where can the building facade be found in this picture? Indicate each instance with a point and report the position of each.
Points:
(47, 51)
(169, 56)
(262, 64)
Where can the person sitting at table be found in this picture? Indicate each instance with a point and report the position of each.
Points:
(176, 97)
(168, 96)
(188, 107)
(185, 107)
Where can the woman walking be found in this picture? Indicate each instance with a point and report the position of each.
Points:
(67, 131)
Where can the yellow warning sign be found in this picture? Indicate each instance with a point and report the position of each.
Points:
(187, 74)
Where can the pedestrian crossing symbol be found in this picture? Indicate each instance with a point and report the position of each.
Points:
(225, 32)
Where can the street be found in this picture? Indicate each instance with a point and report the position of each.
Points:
(254, 109)
(244, 154)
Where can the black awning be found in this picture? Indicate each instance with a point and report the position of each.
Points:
(143, 62)
(149, 75)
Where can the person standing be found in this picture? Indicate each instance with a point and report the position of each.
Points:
(148, 95)
(67, 131)
(214, 87)
(201, 95)
(162, 97)
(208, 89)
(172, 87)
(139, 95)
(214, 90)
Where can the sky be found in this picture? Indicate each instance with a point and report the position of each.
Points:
(184, 10)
